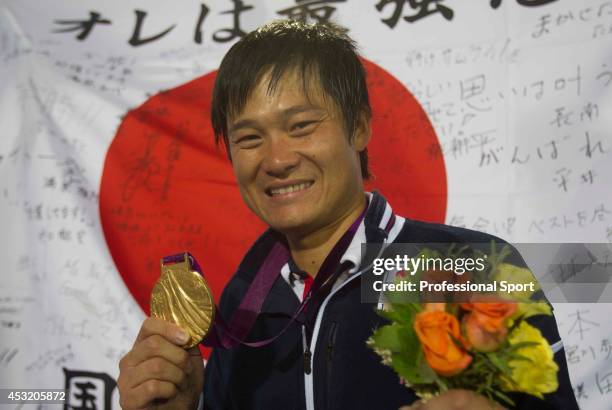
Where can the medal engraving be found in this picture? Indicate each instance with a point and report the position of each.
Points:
(182, 296)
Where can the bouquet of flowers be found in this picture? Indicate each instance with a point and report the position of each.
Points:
(483, 344)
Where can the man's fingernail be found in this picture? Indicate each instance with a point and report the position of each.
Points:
(181, 336)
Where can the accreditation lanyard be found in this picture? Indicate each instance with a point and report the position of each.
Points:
(235, 332)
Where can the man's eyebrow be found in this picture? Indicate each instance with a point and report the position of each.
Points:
(297, 109)
(247, 122)
(300, 108)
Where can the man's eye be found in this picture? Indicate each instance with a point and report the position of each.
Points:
(248, 141)
(303, 126)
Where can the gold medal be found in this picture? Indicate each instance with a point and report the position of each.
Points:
(182, 296)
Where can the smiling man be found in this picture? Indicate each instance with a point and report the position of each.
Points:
(294, 164)
(291, 106)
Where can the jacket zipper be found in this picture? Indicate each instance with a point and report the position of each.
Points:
(308, 379)
(308, 387)
(330, 352)
(307, 360)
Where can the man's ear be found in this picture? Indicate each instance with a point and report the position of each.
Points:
(363, 133)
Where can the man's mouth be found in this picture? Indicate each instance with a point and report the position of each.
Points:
(289, 189)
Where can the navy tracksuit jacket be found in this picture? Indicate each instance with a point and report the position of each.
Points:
(346, 374)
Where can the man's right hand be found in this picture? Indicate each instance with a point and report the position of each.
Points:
(455, 399)
(158, 372)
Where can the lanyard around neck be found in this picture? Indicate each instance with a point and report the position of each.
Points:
(235, 332)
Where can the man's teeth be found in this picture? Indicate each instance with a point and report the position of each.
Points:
(290, 189)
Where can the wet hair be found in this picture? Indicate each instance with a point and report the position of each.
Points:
(318, 52)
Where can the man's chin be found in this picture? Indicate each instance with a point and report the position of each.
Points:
(290, 226)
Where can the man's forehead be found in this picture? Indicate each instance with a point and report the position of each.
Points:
(304, 87)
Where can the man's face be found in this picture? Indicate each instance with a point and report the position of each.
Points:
(295, 166)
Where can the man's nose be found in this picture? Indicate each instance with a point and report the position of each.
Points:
(280, 158)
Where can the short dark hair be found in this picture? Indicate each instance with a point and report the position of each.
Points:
(323, 51)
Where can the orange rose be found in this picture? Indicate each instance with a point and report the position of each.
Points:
(477, 338)
(434, 329)
(485, 326)
(431, 307)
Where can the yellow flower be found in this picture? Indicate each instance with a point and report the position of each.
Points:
(528, 309)
(535, 376)
(515, 275)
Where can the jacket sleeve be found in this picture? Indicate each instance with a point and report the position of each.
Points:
(215, 393)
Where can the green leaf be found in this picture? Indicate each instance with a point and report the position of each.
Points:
(515, 356)
(503, 398)
(405, 297)
(402, 313)
(521, 345)
(412, 345)
(499, 363)
(413, 368)
(427, 373)
(406, 369)
(387, 337)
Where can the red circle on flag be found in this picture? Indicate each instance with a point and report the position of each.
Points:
(166, 188)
